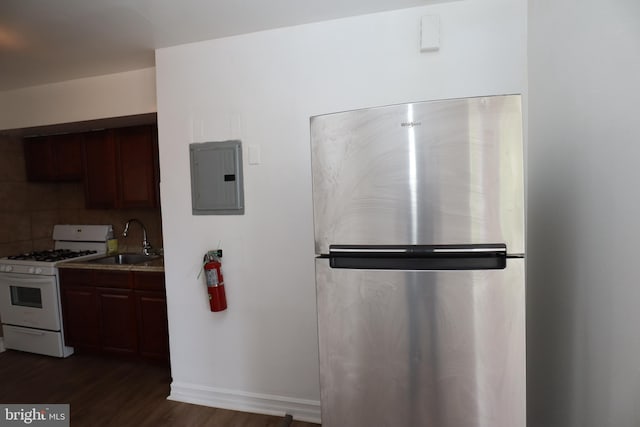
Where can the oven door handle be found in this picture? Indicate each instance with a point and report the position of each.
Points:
(30, 280)
(29, 332)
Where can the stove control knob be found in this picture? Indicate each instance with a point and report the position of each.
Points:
(31, 270)
(38, 270)
(8, 268)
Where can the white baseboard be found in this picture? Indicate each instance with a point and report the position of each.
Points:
(299, 409)
(2, 345)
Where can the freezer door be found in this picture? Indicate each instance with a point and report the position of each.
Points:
(425, 173)
(422, 348)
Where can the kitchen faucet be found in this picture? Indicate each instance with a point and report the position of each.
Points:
(146, 246)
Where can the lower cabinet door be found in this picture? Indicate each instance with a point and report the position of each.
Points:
(118, 320)
(152, 325)
(80, 317)
(116, 312)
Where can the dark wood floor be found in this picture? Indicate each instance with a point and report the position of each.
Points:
(112, 392)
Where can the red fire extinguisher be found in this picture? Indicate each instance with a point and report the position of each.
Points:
(215, 281)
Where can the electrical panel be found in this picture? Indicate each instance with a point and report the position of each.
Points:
(216, 178)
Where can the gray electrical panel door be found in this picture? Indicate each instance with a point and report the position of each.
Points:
(216, 178)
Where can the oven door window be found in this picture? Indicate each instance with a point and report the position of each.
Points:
(26, 297)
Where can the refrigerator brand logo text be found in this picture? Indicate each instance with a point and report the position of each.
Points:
(410, 124)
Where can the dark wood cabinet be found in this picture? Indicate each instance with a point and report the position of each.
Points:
(38, 156)
(54, 157)
(67, 150)
(151, 308)
(116, 307)
(137, 167)
(115, 312)
(152, 324)
(121, 168)
(99, 165)
(81, 319)
(79, 310)
(117, 320)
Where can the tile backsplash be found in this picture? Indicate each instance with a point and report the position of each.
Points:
(28, 210)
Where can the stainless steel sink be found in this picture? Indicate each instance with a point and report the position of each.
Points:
(125, 259)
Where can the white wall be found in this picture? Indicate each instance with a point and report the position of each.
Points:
(261, 354)
(110, 95)
(584, 210)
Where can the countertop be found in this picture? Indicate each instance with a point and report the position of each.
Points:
(156, 264)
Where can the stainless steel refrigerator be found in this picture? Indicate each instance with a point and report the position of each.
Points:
(419, 237)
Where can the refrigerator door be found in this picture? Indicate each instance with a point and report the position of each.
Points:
(441, 172)
(422, 348)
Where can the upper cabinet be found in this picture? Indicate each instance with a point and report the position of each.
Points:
(121, 168)
(99, 161)
(54, 157)
(137, 167)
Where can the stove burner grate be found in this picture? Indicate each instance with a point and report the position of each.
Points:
(51, 255)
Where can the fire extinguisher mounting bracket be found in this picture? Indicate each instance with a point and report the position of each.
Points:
(211, 255)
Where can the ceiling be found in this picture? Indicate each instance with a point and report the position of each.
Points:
(45, 41)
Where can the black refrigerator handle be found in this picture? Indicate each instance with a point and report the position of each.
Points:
(419, 257)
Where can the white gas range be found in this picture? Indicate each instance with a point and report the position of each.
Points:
(30, 291)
